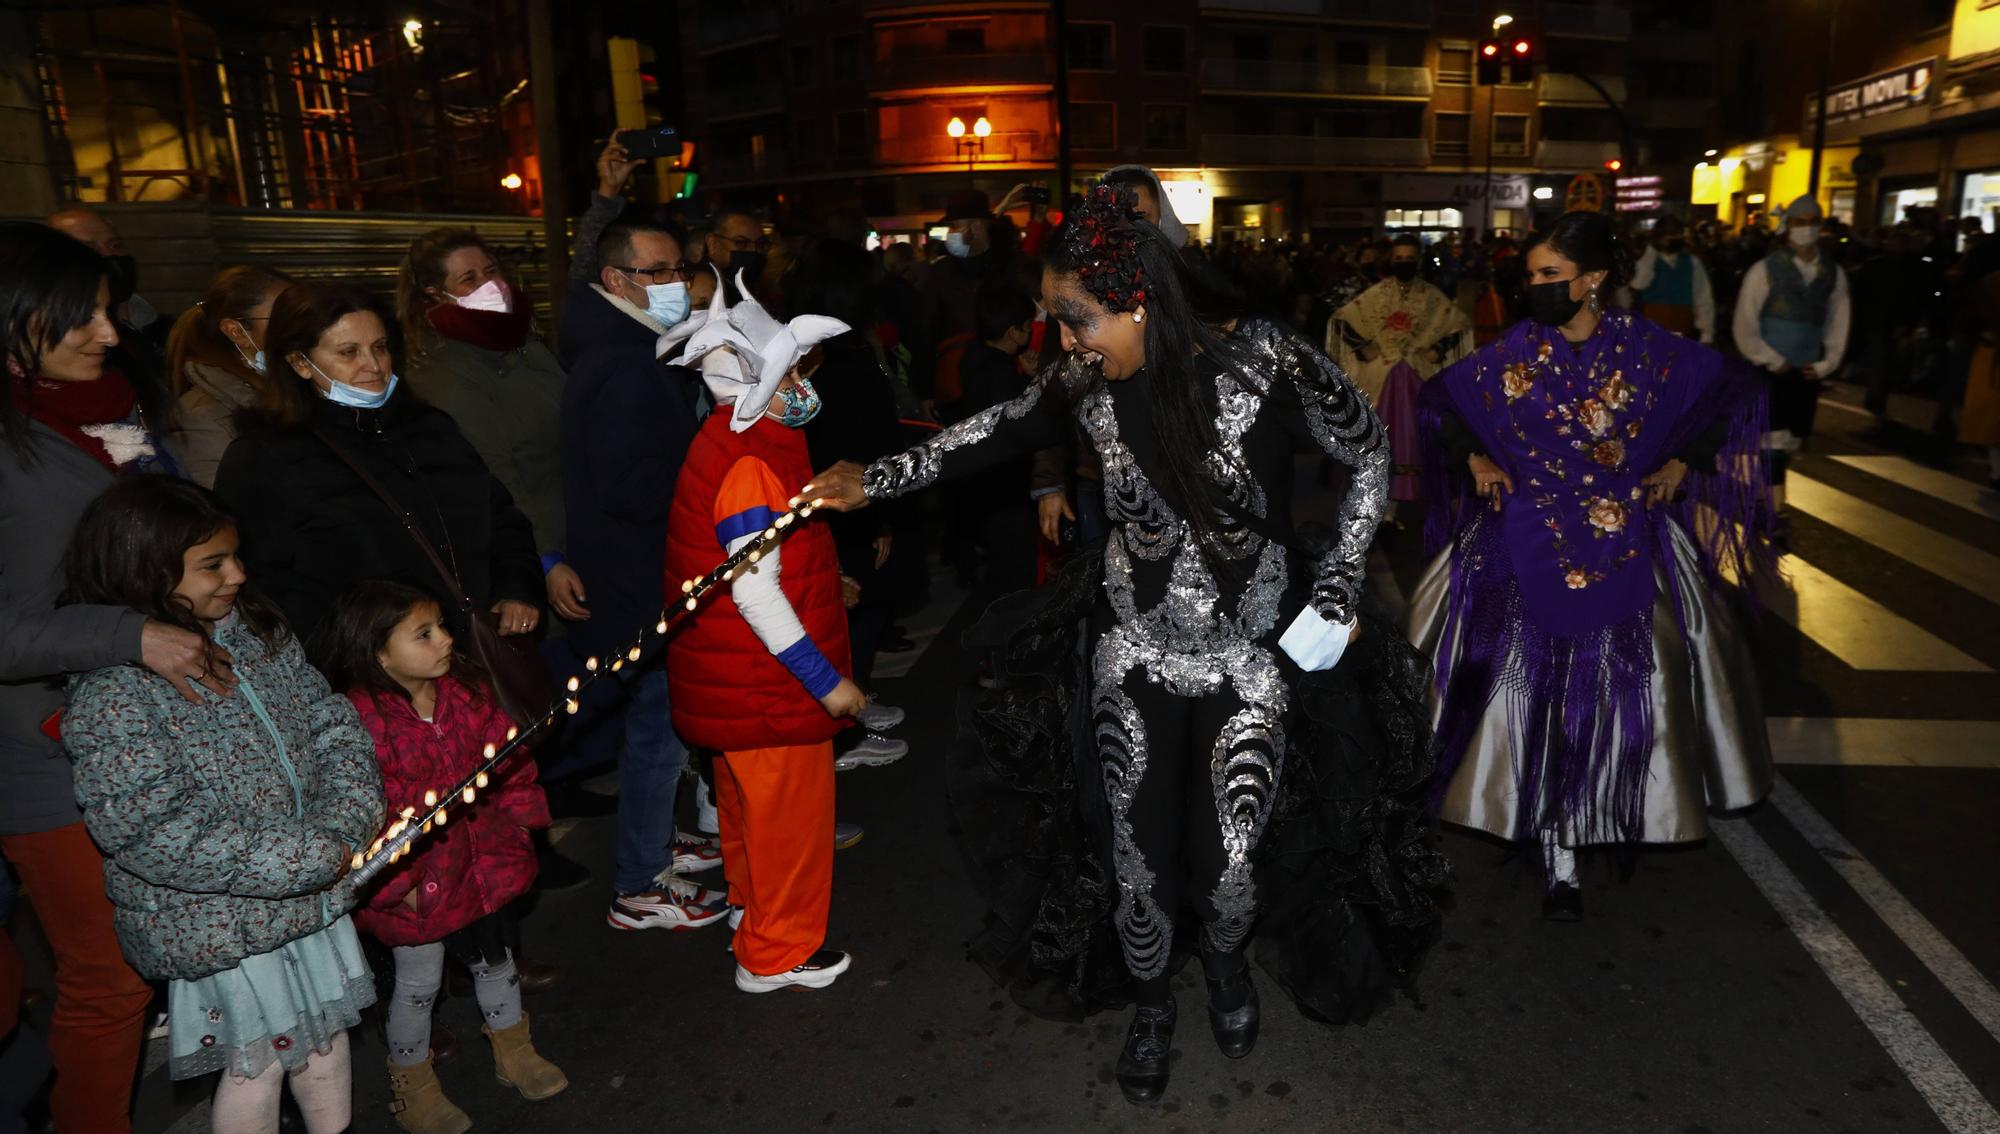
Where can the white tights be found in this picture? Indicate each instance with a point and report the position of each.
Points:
(323, 1088)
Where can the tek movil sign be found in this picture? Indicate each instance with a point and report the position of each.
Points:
(1884, 92)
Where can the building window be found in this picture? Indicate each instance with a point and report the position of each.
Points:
(1166, 50)
(1089, 47)
(1510, 135)
(805, 140)
(847, 57)
(1093, 125)
(805, 71)
(1455, 63)
(965, 40)
(1453, 137)
(1166, 127)
(850, 134)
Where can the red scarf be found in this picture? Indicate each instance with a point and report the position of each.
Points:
(487, 330)
(67, 407)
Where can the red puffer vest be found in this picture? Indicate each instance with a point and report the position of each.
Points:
(728, 692)
(482, 859)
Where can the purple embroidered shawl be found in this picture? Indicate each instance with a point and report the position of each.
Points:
(1551, 599)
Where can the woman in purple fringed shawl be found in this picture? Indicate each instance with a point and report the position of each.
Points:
(1593, 480)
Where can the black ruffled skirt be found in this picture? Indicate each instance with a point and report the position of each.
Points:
(1349, 875)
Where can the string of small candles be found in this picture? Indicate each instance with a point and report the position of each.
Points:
(414, 823)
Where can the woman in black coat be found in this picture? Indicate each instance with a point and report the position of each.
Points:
(311, 525)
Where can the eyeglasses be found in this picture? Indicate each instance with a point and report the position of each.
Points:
(748, 243)
(676, 273)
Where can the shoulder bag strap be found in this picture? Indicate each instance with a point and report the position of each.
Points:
(445, 573)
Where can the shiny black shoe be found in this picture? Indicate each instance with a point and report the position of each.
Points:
(1236, 1030)
(1143, 1065)
(1562, 902)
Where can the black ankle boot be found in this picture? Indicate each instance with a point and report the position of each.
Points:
(1562, 901)
(1235, 1026)
(1143, 1065)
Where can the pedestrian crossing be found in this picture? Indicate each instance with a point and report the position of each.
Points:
(1931, 482)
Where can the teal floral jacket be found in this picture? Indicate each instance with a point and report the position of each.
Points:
(223, 824)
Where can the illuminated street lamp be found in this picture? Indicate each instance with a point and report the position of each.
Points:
(971, 147)
(511, 181)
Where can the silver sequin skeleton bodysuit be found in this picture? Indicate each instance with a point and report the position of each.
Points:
(1186, 678)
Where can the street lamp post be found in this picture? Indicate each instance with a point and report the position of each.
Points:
(973, 147)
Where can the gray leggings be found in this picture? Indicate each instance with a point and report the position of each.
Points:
(419, 975)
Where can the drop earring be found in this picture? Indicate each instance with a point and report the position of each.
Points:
(1138, 316)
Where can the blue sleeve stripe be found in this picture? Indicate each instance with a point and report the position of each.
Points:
(810, 667)
(749, 521)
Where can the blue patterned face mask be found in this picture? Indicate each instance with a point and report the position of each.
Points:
(800, 405)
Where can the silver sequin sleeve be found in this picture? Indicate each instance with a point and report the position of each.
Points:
(1339, 420)
(1031, 421)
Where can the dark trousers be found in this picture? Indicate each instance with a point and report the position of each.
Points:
(1189, 781)
(1794, 406)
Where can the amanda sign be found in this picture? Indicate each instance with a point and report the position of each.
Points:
(1884, 92)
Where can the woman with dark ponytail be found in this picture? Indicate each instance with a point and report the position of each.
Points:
(1220, 780)
(1593, 478)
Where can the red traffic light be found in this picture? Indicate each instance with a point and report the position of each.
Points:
(1614, 165)
(1489, 49)
(1521, 47)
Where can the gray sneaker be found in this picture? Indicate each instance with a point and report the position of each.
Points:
(846, 835)
(874, 751)
(878, 717)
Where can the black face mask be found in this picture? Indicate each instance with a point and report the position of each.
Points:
(124, 274)
(1404, 270)
(1550, 305)
(1673, 244)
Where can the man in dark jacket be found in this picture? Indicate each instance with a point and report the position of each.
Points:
(627, 420)
(979, 247)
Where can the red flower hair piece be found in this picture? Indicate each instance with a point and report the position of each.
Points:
(1102, 238)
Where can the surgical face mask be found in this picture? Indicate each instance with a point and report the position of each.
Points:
(800, 404)
(253, 361)
(1550, 305)
(1404, 270)
(1804, 236)
(955, 244)
(667, 303)
(490, 296)
(353, 397)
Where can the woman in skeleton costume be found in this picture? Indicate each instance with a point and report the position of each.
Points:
(1179, 751)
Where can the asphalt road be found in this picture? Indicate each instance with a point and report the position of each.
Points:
(1825, 964)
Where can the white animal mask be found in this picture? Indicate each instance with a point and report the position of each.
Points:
(743, 353)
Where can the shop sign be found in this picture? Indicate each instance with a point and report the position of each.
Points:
(1508, 191)
(1638, 194)
(1884, 92)
(1585, 194)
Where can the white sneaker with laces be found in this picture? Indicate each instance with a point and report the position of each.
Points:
(878, 717)
(695, 853)
(677, 904)
(874, 751)
(819, 970)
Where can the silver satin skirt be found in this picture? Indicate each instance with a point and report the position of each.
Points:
(1710, 747)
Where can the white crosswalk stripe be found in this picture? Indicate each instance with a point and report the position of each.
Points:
(1931, 482)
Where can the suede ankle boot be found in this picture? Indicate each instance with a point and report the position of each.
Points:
(419, 1105)
(517, 1063)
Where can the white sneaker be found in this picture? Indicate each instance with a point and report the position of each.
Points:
(677, 904)
(874, 751)
(695, 853)
(819, 970)
(706, 819)
(878, 717)
(735, 923)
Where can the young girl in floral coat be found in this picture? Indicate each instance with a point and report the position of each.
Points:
(226, 820)
(387, 646)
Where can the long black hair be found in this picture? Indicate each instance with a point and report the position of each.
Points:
(129, 550)
(1590, 241)
(1125, 262)
(48, 290)
(348, 646)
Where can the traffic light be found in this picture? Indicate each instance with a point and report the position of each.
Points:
(1613, 165)
(639, 104)
(1492, 63)
(1520, 55)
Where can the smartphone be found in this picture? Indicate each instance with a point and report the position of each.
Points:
(1038, 194)
(652, 142)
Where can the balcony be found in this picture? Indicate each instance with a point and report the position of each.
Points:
(1305, 150)
(724, 26)
(744, 100)
(1018, 147)
(1415, 13)
(1561, 155)
(1587, 21)
(1569, 90)
(1294, 77)
(914, 72)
